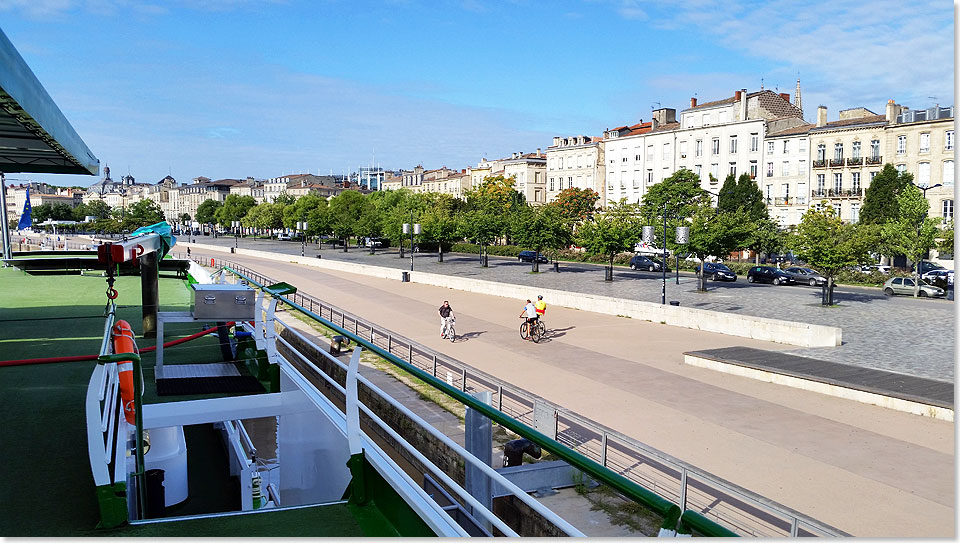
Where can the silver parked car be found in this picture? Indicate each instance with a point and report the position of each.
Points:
(905, 285)
(806, 276)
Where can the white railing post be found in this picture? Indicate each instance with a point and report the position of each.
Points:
(353, 410)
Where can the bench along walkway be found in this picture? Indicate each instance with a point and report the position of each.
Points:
(898, 391)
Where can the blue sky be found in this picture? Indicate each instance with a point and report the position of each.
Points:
(237, 88)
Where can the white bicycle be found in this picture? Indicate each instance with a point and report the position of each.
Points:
(449, 331)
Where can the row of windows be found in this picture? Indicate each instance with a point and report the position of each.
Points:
(558, 163)
(553, 185)
(924, 142)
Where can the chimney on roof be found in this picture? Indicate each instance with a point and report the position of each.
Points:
(893, 110)
(821, 115)
(743, 104)
(654, 123)
(785, 96)
(736, 95)
(538, 152)
(693, 102)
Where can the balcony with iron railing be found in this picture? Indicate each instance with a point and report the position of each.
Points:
(789, 201)
(834, 193)
(877, 159)
(855, 161)
(819, 163)
(836, 162)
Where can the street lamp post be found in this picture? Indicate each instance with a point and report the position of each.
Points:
(302, 228)
(682, 233)
(411, 228)
(236, 234)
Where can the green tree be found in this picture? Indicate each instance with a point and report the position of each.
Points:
(207, 211)
(750, 199)
(727, 200)
(880, 198)
(611, 232)
(829, 245)
(142, 213)
(263, 217)
(496, 196)
(680, 196)
(912, 232)
(540, 228)
(480, 227)
(234, 208)
(345, 211)
(369, 224)
(574, 205)
(715, 233)
(285, 199)
(945, 240)
(185, 218)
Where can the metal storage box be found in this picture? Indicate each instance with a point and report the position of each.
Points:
(223, 302)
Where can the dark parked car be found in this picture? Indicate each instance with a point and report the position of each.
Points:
(640, 262)
(717, 271)
(769, 274)
(806, 276)
(528, 256)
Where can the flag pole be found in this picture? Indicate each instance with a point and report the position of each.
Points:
(5, 226)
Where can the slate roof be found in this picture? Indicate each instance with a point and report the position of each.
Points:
(796, 130)
(870, 120)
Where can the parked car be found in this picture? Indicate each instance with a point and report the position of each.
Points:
(529, 256)
(718, 271)
(905, 285)
(640, 262)
(284, 237)
(806, 276)
(926, 266)
(769, 274)
(375, 242)
(933, 275)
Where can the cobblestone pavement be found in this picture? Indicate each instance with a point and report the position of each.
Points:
(900, 334)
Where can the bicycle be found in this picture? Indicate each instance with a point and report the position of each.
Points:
(534, 332)
(449, 332)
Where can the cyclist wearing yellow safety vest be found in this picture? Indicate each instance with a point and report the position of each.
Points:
(541, 306)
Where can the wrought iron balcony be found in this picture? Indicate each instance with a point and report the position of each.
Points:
(834, 193)
(874, 159)
(819, 163)
(836, 162)
(854, 161)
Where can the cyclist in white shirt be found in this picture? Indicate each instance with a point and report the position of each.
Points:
(530, 312)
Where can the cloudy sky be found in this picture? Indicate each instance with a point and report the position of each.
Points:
(237, 88)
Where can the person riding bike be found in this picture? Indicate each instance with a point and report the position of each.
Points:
(446, 313)
(540, 306)
(530, 312)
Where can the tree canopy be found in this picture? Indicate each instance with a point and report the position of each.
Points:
(880, 198)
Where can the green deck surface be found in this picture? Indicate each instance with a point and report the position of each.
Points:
(43, 441)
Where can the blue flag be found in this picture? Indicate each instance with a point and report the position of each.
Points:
(26, 218)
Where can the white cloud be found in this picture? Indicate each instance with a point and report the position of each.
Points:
(862, 53)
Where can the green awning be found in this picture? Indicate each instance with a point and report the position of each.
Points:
(35, 137)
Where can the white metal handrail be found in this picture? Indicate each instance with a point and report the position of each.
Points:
(471, 459)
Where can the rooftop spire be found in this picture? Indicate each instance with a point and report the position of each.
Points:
(796, 98)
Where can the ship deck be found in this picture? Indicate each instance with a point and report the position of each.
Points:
(43, 439)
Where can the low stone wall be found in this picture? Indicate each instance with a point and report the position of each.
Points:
(760, 328)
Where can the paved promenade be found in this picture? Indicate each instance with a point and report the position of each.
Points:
(866, 470)
(900, 334)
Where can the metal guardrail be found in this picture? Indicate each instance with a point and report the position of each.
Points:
(729, 505)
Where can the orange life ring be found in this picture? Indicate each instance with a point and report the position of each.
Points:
(123, 343)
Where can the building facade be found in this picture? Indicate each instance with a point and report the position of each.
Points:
(574, 162)
(784, 176)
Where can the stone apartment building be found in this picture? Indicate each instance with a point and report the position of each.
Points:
(921, 142)
(529, 172)
(40, 194)
(712, 139)
(446, 181)
(846, 155)
(574, 162)
(189, 197)
(784, 177)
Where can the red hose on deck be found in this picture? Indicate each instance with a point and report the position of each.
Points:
(27, 361)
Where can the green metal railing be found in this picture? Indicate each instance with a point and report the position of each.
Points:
(673, 518)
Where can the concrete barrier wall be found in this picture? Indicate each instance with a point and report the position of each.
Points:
(761, 328)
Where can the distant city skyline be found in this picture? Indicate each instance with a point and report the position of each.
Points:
(237, 88)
